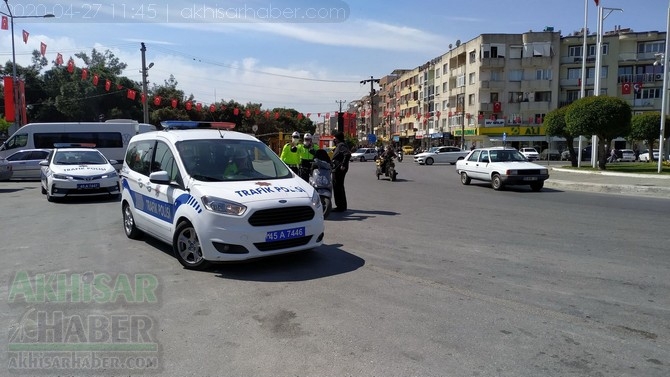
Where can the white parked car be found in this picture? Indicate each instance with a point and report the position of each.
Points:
(76, 171)
(216, 195)
(530, 153)
(627, 155)
(440, 155)
(644, 156)
(364, 154)
(502, 167)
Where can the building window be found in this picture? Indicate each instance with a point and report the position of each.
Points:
(494, 97)
(471, 78)
(515, 75)
(542, 96)
(515, 52)
(496, 75)
(651, 93)
(473, 56)
(574, 73)
(651, 47)
(515, 97)
(543, 74)
(471, 99)
(592, 49)
(575, 51)
(445, 87)
(437, 72)
(572, 95)
(591, 72)
(460, 81)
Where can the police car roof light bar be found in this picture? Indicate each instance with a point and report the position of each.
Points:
(74, 145)
(193, 124)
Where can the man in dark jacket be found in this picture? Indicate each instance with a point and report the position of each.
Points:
(341, 157)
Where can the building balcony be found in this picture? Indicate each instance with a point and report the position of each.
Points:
(576, 59)
(535, 85)
(492, 62)
(536, 61)
(491, 84)
(646, 103)
(534, 106)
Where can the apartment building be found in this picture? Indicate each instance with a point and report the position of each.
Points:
(499, 87)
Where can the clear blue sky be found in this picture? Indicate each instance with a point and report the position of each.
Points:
(296, 59)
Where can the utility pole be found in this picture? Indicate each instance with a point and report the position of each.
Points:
(145, 69)
(341, 102)
(372, 81)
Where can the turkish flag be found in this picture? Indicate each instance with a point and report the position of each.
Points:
(236, 111)
(173, 103)
(25, 36)
(108, 85)
(157, 101)
(497, 107)
(5, 23)
(198, 106)
(299, 116)
(625, 88)
(59, 59)
(84, 73)
(95, 80)
(43, 48)
(131, 94)
(70, 65)
(212, 108)
(277, 115)
(247, 113)
(637, 87)
(189, 105)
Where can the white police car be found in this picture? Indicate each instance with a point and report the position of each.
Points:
(76, 170)
(216, 195)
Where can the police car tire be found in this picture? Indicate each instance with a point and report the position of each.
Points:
(187, 227)
(129, 223)
(44, 191)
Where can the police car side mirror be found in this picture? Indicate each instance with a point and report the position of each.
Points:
(160, 178)
(113, 162)
(44, 163)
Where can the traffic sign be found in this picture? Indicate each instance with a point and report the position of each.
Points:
(372, 138)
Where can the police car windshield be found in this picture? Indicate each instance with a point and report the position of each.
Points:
(79, 158)
(222, 160)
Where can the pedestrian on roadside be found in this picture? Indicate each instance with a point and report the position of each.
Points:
(341, 157)
(612, 155)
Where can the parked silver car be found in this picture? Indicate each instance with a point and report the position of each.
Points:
(26, 163)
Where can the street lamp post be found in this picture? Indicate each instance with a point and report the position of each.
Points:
(663, 95)
(15, 89)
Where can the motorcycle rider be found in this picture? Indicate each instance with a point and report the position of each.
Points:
(306, 151)
(388, 156)
(290, 155)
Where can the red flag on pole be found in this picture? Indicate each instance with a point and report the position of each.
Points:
(108, 85)
(173, 103)
(95, 79)
(84, 73)
(625, 88)
(25, 36)
(597, 2)
(5, 23)
(59, 59)
(43, 48)
(157, 101)
(131, 94)
(70, 65)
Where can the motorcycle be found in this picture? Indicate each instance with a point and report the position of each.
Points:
(386, 167)
(400, 155)
(318, 174)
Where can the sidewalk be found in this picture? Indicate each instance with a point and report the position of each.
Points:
(609, 182)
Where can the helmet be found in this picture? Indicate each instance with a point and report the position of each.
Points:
(239, 154)
(296, 135)
(307, 136)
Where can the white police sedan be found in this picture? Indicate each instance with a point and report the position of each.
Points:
(76, 171)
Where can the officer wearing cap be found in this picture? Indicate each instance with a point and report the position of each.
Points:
(290, 155)
(341, 157)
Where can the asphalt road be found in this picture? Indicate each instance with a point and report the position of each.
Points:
(422, 277)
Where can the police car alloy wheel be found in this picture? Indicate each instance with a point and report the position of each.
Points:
(186, 247)
(129, 223)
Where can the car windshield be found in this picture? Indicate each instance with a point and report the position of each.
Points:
(223, 160)
(433, 149)
(92, 157)
(506, 155)
(361, 151)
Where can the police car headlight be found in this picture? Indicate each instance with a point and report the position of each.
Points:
(110, 175)
(316, 199)
(61, 176)
(223, 206)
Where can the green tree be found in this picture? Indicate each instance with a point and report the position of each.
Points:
(603, 116)
(555, 125)
(647, 127)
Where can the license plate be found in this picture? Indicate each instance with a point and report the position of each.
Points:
(84, 186)
(284, 234)
(530, 178)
